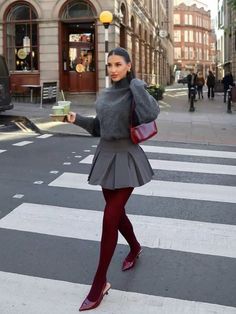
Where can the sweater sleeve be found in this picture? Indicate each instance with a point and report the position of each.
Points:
(146, 107)
(91, 125)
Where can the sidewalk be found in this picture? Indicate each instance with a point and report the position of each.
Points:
(209, 124)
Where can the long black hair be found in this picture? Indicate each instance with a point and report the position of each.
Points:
(118, 51)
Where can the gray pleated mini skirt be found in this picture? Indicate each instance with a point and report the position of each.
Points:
(119, 164)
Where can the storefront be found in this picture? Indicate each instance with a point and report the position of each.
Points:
(63, 41)
(74, 40)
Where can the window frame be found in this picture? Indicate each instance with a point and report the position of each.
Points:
(23, 57)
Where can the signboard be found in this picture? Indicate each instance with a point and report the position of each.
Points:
(49, 93)
(163, 33)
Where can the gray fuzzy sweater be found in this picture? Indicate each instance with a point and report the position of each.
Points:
(113, 110)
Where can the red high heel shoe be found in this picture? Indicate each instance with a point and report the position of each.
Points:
(89, 305)
(130, 264)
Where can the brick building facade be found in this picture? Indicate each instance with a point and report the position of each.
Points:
(194, 40)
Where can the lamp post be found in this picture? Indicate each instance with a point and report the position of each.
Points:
(106, 18)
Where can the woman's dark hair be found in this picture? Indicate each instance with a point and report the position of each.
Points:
(118, 51)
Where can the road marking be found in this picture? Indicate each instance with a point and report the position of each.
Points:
(2, 151)
(18, 196)
(23, 143)
(180, 94)
(40, 295)
(194, 191)
(188, 151)
(170, 165)
(38, 182)
(154, 232)
(45, 136)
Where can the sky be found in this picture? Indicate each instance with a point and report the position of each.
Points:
(209, 4)
(212, 5)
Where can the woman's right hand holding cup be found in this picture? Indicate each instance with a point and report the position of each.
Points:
(71, 117)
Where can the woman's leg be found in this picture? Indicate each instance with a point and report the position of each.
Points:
(198, 91)
(126, 229)
(113, 212)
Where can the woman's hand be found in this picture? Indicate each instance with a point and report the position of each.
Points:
(71, 117)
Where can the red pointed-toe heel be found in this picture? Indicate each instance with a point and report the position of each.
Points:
(130, 264)
(89, 305)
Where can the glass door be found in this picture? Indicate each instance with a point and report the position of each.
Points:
(81, 57)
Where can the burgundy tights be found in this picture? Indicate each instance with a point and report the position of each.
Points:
(114, 220)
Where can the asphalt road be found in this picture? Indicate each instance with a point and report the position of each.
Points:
(50, 222)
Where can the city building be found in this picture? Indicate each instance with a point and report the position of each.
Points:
(226, 39)
(194, 39)
(63, 41)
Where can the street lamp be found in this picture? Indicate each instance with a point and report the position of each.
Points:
(106, 18)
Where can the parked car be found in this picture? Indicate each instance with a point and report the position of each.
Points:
(5, 91)
(183, 80)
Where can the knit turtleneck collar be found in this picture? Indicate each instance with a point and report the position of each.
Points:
(121, 84)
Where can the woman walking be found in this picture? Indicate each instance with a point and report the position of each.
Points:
(118, 165)
(200, 81)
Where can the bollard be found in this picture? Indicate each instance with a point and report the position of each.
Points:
(229, 92)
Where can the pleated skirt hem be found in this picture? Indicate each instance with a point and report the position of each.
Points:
(119, 164)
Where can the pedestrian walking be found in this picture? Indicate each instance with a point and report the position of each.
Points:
(211, 85)
(227, 81)
(192, 82)
(119, 165)
(200, 81)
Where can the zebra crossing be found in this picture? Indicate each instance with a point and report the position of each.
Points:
(170, 244)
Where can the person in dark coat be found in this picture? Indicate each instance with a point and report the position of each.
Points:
(192, 82)
(211, 85)
(118, 165)
(227, 81)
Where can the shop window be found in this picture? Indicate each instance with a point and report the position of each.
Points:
(81, 52)
(22, 38)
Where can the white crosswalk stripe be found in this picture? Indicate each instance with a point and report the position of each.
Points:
(182, 166)
(206, 192)
(188, 151)
(155, 232)
(47, 296)
(33, 294)
(2, 151)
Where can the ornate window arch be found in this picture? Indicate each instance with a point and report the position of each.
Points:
(21, 37)
(78, 9)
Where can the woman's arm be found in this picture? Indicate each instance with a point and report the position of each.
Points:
(91, 125)
(146, 107)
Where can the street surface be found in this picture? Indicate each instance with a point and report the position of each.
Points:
(50, 226)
